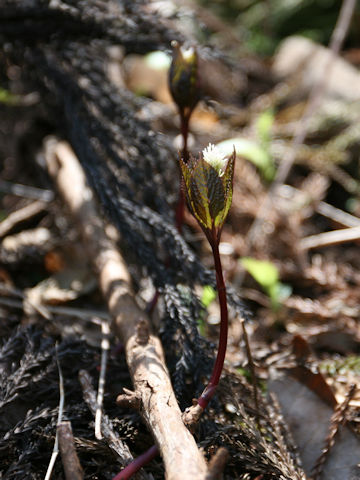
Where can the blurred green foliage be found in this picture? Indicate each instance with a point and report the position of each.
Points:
(262, 24)
(341, 366)
(207, 297)
(267, 275)
(7, 97)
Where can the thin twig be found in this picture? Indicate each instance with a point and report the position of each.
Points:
(105, 346)
(115, 443)
(330, 238)
(337, 420)
(26, 191)
(93, 316)
(69, 458)
(7, 290)
(21, 215)
(60, 415)
(329, 211)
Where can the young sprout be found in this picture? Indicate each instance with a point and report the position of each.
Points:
(208, 184)
(185, 90)
(184, 86)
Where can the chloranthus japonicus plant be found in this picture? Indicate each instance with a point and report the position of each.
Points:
(184, 86)
(208, 186)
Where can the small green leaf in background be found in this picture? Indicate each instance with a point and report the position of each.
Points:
(208, 296)
(263, 126)
(253, 152)
(267, 275)
(262, 271)
(7, 97)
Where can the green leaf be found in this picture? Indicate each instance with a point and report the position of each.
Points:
(208, 295)
(8, 97)
(264, 272)
(199, 194)
(263, 127)
(267, 275)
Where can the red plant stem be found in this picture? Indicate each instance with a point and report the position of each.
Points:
(184, 128)
(180, 210)
(209, 391)
(137, 463)
(180, 207)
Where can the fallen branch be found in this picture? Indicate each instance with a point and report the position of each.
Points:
(69, 458)
(144, 354)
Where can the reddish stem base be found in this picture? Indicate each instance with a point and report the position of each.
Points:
(137, 463)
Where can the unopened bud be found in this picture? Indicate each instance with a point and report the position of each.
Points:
(183, 77)
(208, 183)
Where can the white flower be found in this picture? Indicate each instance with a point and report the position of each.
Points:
(216, 158)
(188, 53)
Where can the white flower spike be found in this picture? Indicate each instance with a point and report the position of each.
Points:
(216, 158)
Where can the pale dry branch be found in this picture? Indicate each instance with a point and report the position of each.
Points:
(105, 347)
(144, 354)
(330, 238)
(337, 215)
(26, 191)
(21, 215)
(69, 458)
(55, 451)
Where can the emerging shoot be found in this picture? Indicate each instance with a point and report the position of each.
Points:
(185, 90)
(184, 85)
(208, 184)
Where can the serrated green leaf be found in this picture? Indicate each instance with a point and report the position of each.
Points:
(227, 180)
(199, 194)
(216, 194)
(208, 191)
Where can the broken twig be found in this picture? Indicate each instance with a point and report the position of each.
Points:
(69, 458)
(150, 377)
